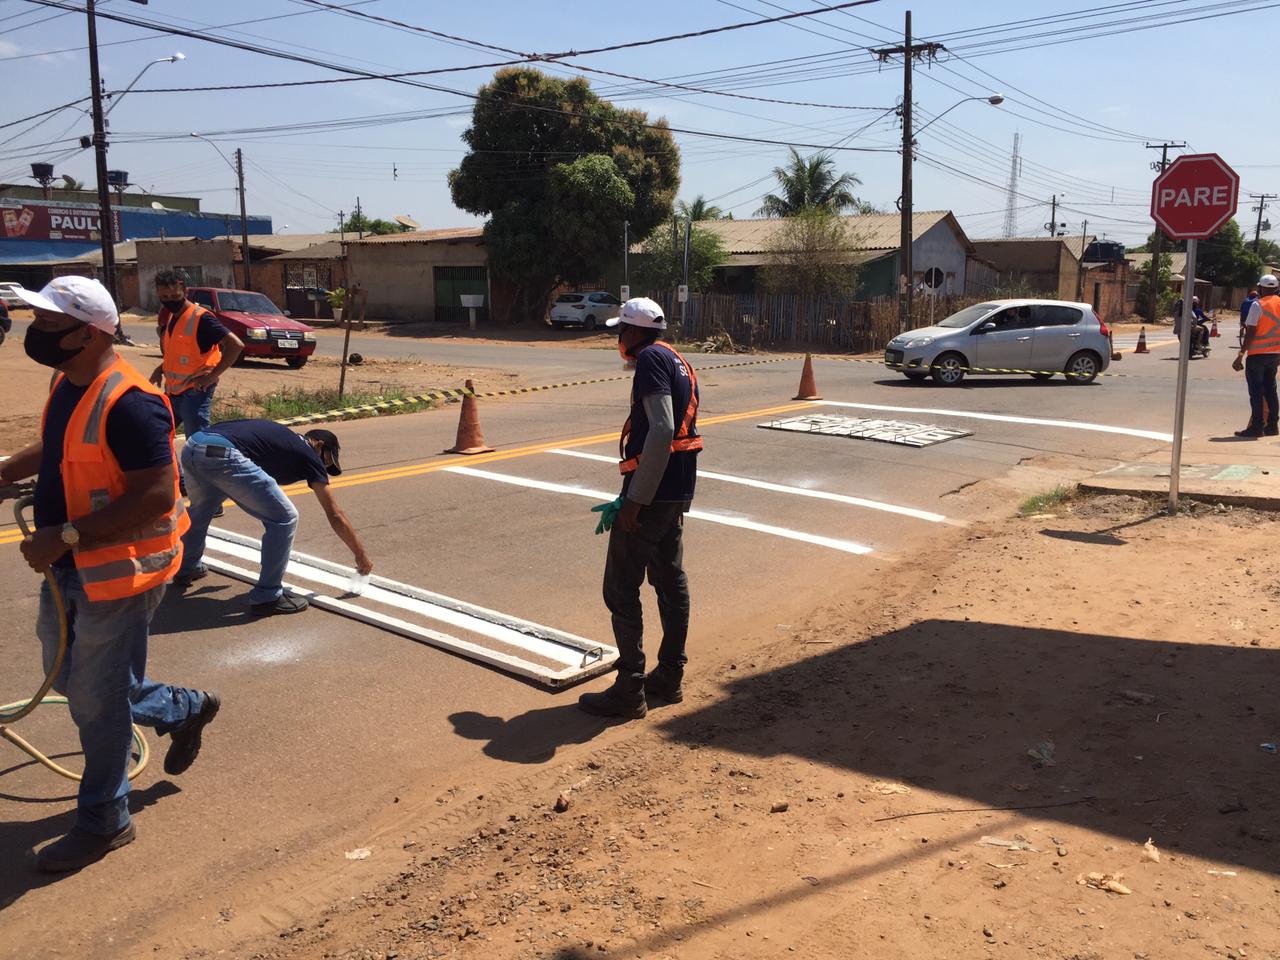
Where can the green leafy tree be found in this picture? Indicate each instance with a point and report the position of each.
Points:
(1224, 259)
(1164, 290)
(557, 170)
(812, 255)
(698, 209)
(810, 182)
(661, 264)
(359, 223)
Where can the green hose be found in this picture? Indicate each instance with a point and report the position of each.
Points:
(11, 713)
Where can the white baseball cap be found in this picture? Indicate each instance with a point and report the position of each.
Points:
(80, 297)
(640, 312)
(1269, 281)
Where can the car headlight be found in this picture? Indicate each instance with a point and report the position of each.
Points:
(309, 337)
(921, 342)
(256, 333)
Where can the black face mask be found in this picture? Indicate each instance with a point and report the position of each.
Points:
(44, 347)
(174, 306)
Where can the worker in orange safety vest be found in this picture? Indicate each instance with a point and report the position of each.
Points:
(1261, 347)
(108, 528)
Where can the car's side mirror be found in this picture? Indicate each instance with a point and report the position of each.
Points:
(288, 313)
(986, 327)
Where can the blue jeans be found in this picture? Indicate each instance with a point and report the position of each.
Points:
(1260, 376)
(215, 470)
(191, 409)
(104, 680)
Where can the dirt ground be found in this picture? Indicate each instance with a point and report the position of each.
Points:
(964, 758)
(23, 384)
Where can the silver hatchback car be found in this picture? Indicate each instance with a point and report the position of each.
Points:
(1036, 337)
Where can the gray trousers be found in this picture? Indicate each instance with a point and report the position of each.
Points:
(656, 549)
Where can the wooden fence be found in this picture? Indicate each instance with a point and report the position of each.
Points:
(792, 320)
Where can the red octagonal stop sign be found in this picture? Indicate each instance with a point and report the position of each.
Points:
(1194, 196)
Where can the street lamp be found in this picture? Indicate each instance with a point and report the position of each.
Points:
(238, 167)
(120, 96)
(908, 158)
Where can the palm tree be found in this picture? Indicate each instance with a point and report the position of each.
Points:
(71, 183)
(809, 183)
(698, 210)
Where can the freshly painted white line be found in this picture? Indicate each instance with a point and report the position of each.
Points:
(1003, 418)
(846, 546)
(784, 488)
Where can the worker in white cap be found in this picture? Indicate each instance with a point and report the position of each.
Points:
(1261, 347)
(658, 459)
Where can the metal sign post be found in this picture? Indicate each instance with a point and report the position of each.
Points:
(1184, 363)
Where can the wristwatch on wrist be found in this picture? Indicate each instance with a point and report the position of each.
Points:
(70, 535)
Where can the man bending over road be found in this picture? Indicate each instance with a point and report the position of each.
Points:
(247, 461)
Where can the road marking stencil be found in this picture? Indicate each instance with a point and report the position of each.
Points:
(833, 543)
(549, 656)
(858, 428)
(786, 489)
(1004, 418)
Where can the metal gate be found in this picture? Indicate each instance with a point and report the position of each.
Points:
(305, 288)
(451, 283)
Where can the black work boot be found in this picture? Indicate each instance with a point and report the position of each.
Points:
(1249, 433)
(664, 683)
(79, 848)
(184, 743)
(624, 699)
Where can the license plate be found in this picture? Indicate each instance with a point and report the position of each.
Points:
(287, 344)
(893, 356)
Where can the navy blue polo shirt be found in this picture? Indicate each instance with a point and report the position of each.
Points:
(282, 454)
(660, 372)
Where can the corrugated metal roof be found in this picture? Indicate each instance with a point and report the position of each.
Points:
(1142, 261)
(424, 236)
(873, 231)
(1074, 244)
(320, 251)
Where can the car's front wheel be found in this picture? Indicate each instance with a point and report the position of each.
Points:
(948, 370)
(296, 363)
(1083, 367)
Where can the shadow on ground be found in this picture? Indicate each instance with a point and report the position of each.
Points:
(1166, 736)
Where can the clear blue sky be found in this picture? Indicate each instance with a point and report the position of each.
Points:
(1196, 81)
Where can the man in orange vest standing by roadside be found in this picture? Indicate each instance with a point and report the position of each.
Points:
(1262, 347)
(659, 464)
(197, 350)
(109, 523)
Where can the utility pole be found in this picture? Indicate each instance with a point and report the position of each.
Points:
(1262, 199)
(359, 220)
(684, 305)
(908, 51)
(1053, 216)
(244, 221)
(106, 226)
(342, 226)
(626, 253)
(1153, 283)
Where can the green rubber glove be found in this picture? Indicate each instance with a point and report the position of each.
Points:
(608, 513)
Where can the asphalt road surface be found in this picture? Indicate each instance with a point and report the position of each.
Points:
(334, 734)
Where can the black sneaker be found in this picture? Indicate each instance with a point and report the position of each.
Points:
(1271, 432)
(1249, 433)
(665, 684)
(184, 580)
(184, 743)
(285, 603)
(79, 848)
(614, 702)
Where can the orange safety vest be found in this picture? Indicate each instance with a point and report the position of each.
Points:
(1266, 337)
(182, 357)
(686, 438)
(136, 560)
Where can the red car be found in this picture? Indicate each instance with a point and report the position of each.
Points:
(264, 328)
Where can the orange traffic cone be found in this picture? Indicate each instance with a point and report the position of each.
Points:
(1213, 331)
(470, 439)
(808, 386)
(1142, 341)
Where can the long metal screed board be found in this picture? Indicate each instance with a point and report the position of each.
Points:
(543, 654)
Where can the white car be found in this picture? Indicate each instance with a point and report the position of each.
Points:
(586, 309)
(7, 295)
